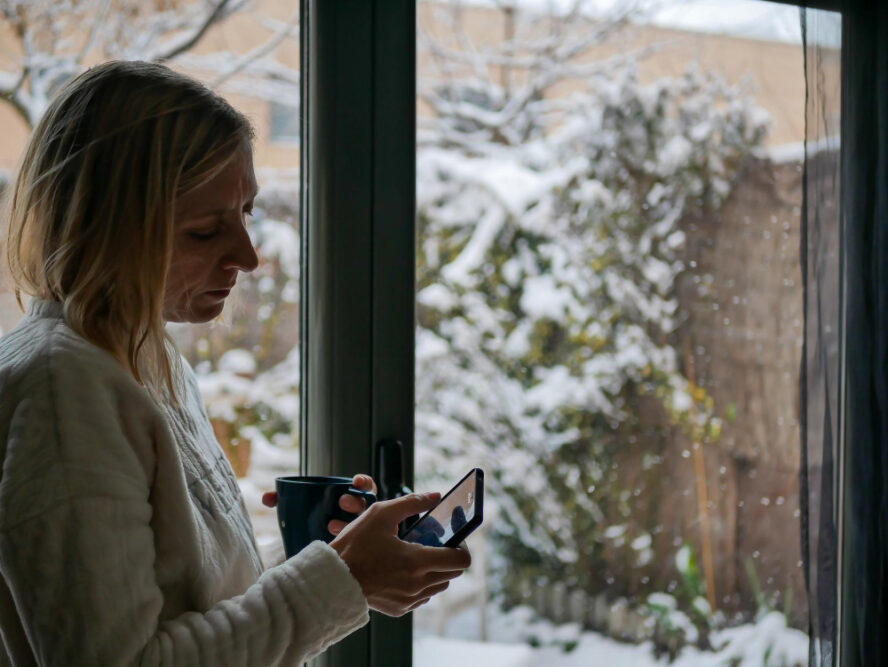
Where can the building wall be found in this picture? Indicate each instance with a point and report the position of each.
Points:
(773, 70)
(742, 305)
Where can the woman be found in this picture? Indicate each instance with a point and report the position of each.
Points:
(123, 535)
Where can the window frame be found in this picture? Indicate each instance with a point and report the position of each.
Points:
(358, 258)
(358, 165)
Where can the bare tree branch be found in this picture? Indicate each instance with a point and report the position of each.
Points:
(93, 31)
(186, 44)
(53, 40)
(13, 99)
(251, 56)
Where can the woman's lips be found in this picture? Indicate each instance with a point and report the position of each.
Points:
(219, 293)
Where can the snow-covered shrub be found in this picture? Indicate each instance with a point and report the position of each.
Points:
(546, 305)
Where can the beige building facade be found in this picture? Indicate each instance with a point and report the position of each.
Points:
(772, 71)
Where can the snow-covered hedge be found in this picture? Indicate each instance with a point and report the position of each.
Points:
(546, 302)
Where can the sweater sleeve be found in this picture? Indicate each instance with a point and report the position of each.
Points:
(77, 549)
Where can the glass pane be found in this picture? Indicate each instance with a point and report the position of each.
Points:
(609, 322)
(247, 361)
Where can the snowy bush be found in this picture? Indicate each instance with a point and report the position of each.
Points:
(549, 245)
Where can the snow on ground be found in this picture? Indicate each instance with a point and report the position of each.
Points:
(747, 646)
(438, 652)
(768, 642)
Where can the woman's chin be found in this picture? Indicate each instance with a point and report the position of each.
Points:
(196, 313)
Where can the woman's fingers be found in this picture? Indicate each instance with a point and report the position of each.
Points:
(416, 605)
(435, 578)
(444, 559)
(352, 504)
(394, 511)
(364, 483)
(425, 596)
(394, 575)
(432, 591)
(348, 503)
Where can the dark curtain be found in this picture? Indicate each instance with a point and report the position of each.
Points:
(844, 365)
(821, 267)
(865, 203)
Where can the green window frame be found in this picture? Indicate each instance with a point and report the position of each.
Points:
(358, 204)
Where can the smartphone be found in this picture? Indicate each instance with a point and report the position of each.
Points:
(454, 518)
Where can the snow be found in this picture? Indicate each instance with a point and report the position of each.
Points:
(437, 296)
(663, 600)
(642, 542)
(437, 652)
(459, 271)
(683, 559)
(276, 240)
(518, 343)
(543, 297)
(510, 634)
(239, 362)
(795, 152)
(556, 389)
(428, 345)
(613, 532)
(673, 154)
(768, 641)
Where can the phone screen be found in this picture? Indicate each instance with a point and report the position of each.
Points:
(454, 511)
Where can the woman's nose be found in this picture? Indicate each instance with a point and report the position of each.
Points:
(242, 255)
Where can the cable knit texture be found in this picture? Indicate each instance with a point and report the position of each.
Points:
(123, 535)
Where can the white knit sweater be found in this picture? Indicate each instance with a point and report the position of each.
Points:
(123, 535)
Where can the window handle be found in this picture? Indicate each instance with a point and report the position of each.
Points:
(390, 473)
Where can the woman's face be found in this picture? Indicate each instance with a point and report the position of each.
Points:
(210, 243)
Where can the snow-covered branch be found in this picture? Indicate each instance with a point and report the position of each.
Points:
(491, 87)
(54, 41)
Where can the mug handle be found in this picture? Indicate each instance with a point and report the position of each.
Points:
(368, 496)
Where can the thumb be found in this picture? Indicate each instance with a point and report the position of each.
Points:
(400, 508)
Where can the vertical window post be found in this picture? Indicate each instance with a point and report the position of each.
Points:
(358, 203)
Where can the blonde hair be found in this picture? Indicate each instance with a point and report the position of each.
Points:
(91, 211)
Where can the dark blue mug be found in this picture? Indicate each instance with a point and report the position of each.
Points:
(305, 505)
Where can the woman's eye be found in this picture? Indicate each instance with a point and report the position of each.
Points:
(201, 236)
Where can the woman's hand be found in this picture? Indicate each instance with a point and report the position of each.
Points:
(396, 576)
(351, 504)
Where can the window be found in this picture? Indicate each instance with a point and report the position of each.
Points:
(609, 322)
(284, 127)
